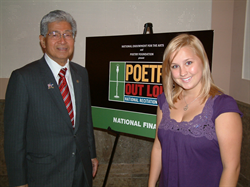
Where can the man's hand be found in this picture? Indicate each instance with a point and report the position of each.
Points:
(94, 165)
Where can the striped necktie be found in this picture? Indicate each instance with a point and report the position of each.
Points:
(64, 89)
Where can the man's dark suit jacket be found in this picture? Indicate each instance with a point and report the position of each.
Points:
(40, 144)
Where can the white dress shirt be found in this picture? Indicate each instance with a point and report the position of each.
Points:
(55, 68)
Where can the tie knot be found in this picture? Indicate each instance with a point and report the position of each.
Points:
(62, 72)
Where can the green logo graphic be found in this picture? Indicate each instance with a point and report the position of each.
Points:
(116, 81)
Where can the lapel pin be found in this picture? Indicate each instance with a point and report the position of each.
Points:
(77, 81)
(50, 86)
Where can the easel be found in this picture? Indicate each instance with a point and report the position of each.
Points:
(112, 155)
(147, 30)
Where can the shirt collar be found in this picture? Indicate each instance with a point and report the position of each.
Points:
(54, 66)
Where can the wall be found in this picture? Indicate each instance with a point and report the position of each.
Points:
(228, 21)
(222, 21)
(19, 24)
(239, 88)
(19, 30)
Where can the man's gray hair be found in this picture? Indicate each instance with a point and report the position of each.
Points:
(56, 15)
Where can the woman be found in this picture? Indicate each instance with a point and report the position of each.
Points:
(199, 129)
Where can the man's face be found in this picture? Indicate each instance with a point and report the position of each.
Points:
(61, 48)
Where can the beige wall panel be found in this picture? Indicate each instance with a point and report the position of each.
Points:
(239, 88)
(222, 16)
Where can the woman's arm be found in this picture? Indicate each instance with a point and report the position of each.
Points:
(155, 166)
(228, 128)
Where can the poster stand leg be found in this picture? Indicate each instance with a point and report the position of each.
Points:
(112, 155)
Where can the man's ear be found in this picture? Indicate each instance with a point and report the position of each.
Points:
(42, 41)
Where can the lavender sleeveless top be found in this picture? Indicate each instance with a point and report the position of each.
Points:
(190, 150)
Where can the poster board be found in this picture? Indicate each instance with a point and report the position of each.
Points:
(125, 79)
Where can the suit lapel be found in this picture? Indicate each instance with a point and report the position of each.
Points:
(77, 80)
(49, 80)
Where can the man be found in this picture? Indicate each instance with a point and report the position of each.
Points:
(49, 138)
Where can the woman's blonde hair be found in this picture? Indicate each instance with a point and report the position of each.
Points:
(171, 89)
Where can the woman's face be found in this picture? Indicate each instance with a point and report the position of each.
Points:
(186, 69)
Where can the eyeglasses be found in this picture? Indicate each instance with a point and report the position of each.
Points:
(55, 35)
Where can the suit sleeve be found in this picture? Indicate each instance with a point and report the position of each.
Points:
(91, 137)
(16, 109)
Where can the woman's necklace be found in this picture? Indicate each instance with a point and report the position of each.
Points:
(186, 107)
